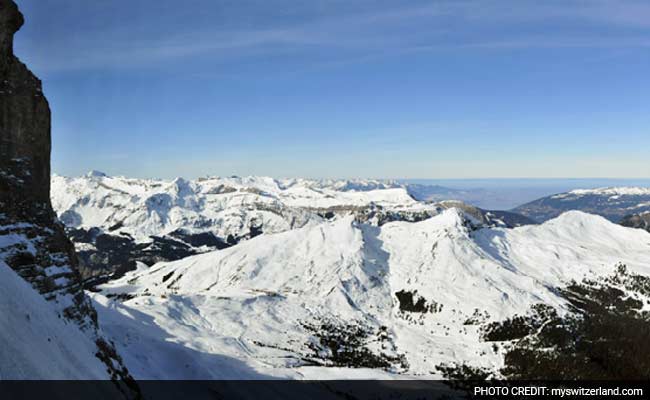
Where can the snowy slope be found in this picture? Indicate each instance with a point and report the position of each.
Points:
(143, 208)
(224, 206)
(234, 206)
(274, 305)
(116, 222)
(37, 343)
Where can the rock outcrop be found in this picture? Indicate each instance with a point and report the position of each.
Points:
(32, 241)
(24, 130)
(640, 221)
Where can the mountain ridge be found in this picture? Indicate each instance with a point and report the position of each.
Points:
(614, 203)
(117, 221)
(428, 289)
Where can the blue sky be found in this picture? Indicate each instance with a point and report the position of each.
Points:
(389, 89)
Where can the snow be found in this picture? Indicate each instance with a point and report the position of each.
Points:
(36, 342)
(241, 312)
(13, 239)
(608, 191)
(224, 206)
(251, 311)
(641, 205)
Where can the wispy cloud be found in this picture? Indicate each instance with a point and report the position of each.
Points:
(364, 34)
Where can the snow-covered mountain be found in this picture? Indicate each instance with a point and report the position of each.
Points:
(613, 203)
(225, 206)
(256, 278)
(116, 221)
(349, 299)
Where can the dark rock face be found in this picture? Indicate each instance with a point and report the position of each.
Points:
(378, 215)
(105, 256)
(640, 221)
(35, 244)
(24, 130)
(492, 218)
(411, 302)
(25, 210)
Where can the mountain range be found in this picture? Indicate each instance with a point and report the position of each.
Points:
(613, 203)
(117, 222)
(304, 278)
(416, 299)
(123, 280)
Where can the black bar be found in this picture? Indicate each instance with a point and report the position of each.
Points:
(340, 389)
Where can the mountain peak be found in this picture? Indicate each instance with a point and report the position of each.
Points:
(579, 217)
(96, 174)
(11, 20)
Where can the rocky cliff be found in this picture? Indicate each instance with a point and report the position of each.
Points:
(24, 128)
(32, 241)
(640, 221)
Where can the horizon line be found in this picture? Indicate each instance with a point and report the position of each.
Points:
(53, 173)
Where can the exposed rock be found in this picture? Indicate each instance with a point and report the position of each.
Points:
(605, 335)
(24, 131)
(411, 302)
(35, 244)
(495, 218)
(640, 221)
(379, 215)
(106, 256)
